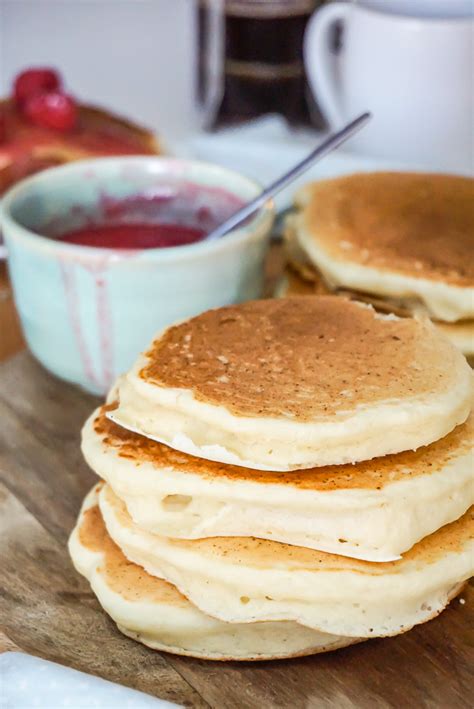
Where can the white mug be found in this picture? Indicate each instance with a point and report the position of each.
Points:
(413, 71)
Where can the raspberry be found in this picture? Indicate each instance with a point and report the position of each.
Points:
(34, 81)
(52, 110)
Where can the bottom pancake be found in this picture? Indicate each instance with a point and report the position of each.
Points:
(245, 580)
(156, 614)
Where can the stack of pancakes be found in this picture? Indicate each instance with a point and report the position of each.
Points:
(281, 478)
(401, 241)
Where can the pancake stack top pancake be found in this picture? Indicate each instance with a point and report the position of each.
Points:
(403, 241)
(281, 478)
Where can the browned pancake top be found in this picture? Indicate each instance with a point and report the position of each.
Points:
(263, 553)
(302, 358)
(123, 577)
(373, 474)
(417, 224)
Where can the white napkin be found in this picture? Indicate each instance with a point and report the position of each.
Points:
(27, 682)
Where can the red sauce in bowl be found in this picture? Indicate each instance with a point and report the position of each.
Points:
(134, 235)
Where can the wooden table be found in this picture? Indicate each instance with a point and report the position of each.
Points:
(11, 339)
(46, 609)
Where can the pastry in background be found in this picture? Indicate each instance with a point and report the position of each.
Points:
(41, 126)
(403, 242)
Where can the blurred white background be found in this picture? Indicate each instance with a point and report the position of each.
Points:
(139, 59)
(128, 55)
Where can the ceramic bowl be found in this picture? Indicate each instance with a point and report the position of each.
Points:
(87, 312)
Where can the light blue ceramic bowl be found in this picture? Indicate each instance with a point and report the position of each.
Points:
(87, 312)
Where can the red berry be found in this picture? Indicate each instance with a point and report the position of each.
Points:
(52, 110)
(34, 81)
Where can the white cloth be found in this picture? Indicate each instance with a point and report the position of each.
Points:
(27, 682)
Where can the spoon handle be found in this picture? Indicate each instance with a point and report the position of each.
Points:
(329, 144)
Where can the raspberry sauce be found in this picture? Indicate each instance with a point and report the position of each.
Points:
(134, 236)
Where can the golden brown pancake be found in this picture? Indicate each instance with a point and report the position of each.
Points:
(421, 225)
(367, 475)
(293, 283)
(155, 613)
(295, 383)
(177, 495)
(302, 277)
(122, 576)
(298, 260)
(291, 358)
(247, 579)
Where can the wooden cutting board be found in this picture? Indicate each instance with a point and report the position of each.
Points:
(48, 610)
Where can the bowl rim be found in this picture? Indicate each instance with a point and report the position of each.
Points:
(258, 226)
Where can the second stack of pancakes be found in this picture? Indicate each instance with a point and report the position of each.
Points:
(281, 478)
(403, 242)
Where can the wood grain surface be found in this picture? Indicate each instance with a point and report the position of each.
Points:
(11, 339)
(47, 609)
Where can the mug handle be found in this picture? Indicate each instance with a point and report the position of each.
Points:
(321, 61)
(213, 61)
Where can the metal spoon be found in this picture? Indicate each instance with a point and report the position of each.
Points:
(328, 145)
